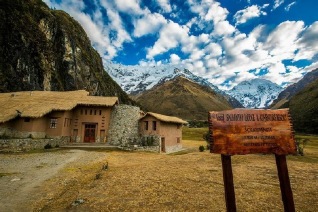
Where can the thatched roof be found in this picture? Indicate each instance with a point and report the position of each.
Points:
(35, 104)
(164, 118)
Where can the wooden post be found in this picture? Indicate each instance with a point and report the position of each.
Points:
(285, 188)
(228, 183)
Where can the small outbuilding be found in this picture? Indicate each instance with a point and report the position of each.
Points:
(168, 128)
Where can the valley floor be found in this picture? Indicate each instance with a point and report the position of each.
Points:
(186, 181)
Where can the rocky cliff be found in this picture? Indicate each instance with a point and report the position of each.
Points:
(44, 49)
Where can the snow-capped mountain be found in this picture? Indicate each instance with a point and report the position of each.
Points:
(136, 79)
(256, 93)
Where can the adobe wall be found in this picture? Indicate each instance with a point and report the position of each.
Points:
(7, 132)
(123, 128)
(27, 144)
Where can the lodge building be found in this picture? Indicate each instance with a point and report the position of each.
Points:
(78, 117)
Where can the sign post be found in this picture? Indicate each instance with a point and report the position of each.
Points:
(250, 131)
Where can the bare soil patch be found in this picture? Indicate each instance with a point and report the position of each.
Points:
(22, 175)
(189, 181)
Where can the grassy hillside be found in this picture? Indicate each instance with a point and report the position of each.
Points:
(183, 98)
(293, 89)
(304, 109)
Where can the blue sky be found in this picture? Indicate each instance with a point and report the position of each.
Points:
(224, 41)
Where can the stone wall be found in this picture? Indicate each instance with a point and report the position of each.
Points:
(176, 148)
(27, 144)
(123, 128)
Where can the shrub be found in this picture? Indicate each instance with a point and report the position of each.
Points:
(300, 144)
(206, 137)
(201, 148)
(48, 146)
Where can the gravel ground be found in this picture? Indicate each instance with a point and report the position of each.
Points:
(21, 175)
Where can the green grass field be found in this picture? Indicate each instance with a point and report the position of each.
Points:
(193, 133)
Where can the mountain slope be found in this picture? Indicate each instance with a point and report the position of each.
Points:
(44, 49)
(293, 89)
(304, 109)
(256, 93)
(183, 98)
(137, 79)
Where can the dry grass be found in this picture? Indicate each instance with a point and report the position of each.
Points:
(185, 182)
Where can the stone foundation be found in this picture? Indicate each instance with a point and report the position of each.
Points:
(27, 144)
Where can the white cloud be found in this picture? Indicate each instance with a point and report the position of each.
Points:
(130, 7)
(116, 24)
(170, 36)
(165, 5)
(216, 13)
(307, 44)
(287, 8)
(282, 41)
(254, 11)
(197, 55)
(213, 49)
(174, 59)
(150, 23)
(277, 3)
(223, 28)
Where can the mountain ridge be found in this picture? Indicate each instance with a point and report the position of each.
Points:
(137, 79)
(255, 93)
(293, 89)
(183, 98)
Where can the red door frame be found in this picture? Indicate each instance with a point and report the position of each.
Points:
(89, 133)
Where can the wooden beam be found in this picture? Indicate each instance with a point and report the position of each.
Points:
(228, 183)
(285, 188)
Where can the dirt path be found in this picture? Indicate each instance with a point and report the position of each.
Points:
(23, 174)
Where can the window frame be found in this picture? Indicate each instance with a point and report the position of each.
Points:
(53, 123)
(154, 125)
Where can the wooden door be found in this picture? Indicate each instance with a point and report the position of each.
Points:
(163, 145)
(89, 134)
(74, 137)
(102, 136)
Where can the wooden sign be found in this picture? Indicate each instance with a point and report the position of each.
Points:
(245, 131)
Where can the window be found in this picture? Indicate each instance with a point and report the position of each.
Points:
(178, 140)
(94, 112)
(67, 122)
(91, 112)
(146, 125)
(154, 125)
(53, 122)
(100, 112)
(85, 112)
(26, 119)
(81, 111)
